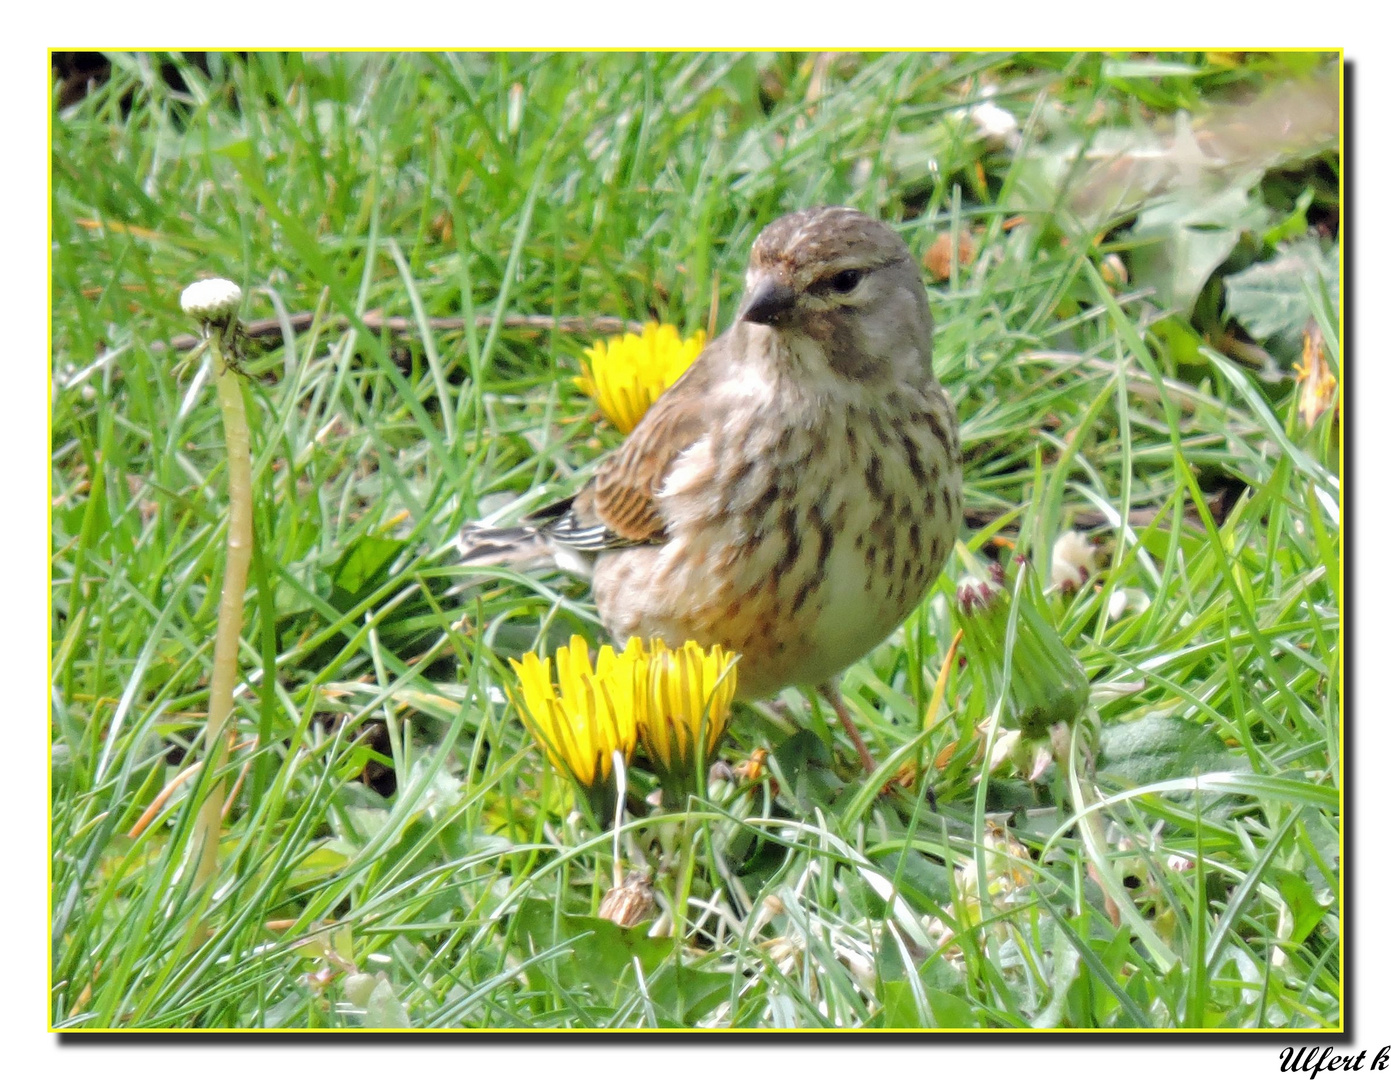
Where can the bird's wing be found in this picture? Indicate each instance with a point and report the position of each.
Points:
(618, 508)
(571, 523)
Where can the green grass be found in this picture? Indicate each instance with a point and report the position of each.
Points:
(632, 186)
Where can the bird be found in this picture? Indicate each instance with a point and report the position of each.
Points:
(795, 493)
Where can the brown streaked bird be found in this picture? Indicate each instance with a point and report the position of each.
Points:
(794, 494)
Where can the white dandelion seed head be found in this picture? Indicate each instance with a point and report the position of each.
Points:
(215, 298)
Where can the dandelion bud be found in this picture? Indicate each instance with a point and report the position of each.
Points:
(1047, 685)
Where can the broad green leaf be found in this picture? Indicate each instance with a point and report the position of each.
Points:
(1179, 339)
(947, 1009)
(1180, 240)
(1272, 298)
(364, 559)
(604, 958)
(384, 1009)
(1159, 747)
(1304, 905)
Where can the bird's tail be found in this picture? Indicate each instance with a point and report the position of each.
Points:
(520, 547)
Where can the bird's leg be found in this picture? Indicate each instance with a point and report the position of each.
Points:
(831, 692)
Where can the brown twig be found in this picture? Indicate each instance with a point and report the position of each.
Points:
(274, 328)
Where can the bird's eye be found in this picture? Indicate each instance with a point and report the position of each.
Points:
(846, 280)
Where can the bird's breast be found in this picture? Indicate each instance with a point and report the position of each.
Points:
(800, 542)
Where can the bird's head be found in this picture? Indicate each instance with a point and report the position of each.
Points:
(839, 280)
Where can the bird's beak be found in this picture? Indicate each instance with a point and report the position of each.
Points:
(766, 300)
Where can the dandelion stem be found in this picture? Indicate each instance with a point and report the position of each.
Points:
(229, 612)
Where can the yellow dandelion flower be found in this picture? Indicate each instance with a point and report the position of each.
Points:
(625, 375)
(686, 710)
(582, 721)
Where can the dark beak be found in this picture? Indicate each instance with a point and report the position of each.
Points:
(769, 299)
